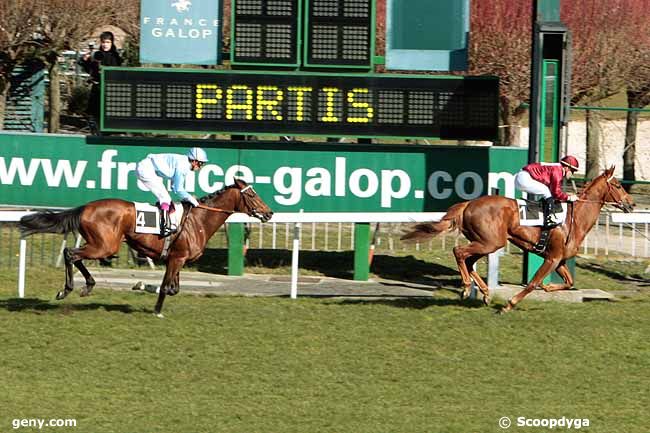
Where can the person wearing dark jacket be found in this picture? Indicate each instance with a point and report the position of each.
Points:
(92, 63)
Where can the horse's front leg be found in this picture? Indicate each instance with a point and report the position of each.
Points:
(169, 283)
(564, 272)
(547, 267)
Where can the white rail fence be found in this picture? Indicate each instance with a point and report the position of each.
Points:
(615, 234)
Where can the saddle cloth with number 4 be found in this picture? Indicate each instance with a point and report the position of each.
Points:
(147, 217)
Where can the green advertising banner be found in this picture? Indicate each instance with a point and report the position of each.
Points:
(65, 171)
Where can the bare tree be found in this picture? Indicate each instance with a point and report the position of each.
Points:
(500, 45)
(63, 25)
(18, 25)
(638, 85)
(603, 47)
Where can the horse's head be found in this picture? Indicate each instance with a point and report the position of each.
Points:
(615, 194)
(250, 203)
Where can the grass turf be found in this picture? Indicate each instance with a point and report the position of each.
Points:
(235, 364)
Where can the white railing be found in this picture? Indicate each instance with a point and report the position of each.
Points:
(296, 218)
(604, 237)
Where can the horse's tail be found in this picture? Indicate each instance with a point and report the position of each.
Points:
(452, 220)
(51, 222)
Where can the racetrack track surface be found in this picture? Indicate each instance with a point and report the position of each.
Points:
(311, 286)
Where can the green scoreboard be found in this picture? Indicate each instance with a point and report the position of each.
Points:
(299, 103)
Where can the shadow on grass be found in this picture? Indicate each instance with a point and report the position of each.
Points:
(417, 303)
(614, 274)
(38, 306)
(337, 264)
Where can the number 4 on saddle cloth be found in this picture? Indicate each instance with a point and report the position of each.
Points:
(148, 218)
(531, 213)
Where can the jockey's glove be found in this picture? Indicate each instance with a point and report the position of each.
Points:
(572, 197)
(191, 200)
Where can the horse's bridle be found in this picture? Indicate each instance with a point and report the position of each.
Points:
(248, 193)
(604, 202)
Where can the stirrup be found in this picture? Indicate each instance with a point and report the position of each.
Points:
(544, 237)
(166, 227)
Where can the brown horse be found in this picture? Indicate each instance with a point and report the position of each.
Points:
(489, 222)
(104, 224)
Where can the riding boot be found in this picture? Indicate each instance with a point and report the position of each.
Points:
(547, 207)
(164, 222)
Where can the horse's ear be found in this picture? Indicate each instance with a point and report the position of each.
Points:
(610, 171)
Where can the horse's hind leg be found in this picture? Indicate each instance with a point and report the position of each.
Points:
(69, 277)
(75, 257)
(460, 255)
(483, 287)
(90, 281)
(466, 256)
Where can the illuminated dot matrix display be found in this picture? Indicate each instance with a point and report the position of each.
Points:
(300, 103)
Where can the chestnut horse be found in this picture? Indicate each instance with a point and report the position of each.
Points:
(104, 224)
(489, 222)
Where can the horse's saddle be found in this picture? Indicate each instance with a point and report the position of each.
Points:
(531, 213)
(147, 217)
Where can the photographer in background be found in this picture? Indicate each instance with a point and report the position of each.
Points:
(92, 62)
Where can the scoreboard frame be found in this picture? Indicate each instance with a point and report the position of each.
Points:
(308, 44)
(297, 22)
(140, 100)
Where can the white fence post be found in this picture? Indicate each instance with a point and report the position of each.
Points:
(21, 268)
(294, 259)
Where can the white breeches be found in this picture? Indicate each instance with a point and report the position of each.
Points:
(147, 175)
(524, 182)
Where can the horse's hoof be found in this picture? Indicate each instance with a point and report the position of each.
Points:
(464, 295)
(138, 286)
(61, 295)
(486, 300)
(159, 315)
(84, 293)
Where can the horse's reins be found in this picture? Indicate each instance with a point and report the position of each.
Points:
(215, 209)
(601, 202)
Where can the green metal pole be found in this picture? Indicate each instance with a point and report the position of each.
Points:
(361, 250)
(236, 249)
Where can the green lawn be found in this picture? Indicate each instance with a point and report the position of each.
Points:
(236, 364)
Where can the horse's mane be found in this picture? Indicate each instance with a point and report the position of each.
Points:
(216, 194)
(587, 185)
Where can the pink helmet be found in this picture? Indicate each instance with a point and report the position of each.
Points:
(571, 162)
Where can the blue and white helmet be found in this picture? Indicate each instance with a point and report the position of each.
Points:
(197, 154)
